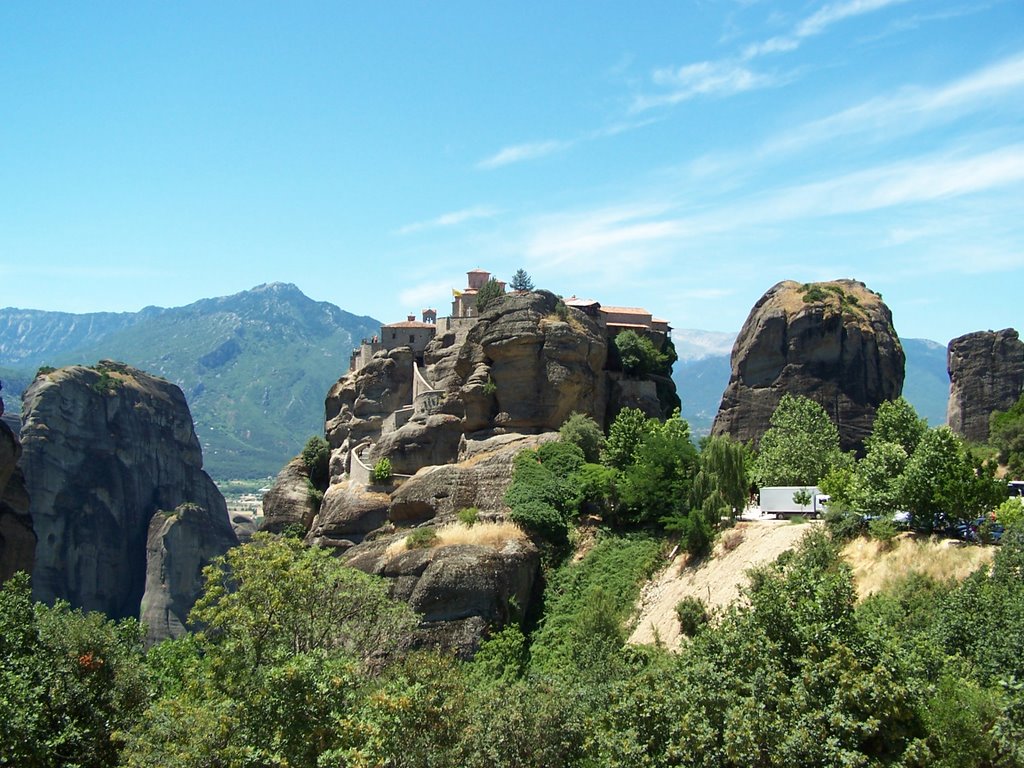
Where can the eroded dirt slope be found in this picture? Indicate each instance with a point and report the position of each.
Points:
(716, 580)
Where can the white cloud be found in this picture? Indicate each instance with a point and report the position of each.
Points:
(451, 219)
(520, 152)
(730, 76)
(584, 240)
(915, 108)
(818, 22)
(705, 78)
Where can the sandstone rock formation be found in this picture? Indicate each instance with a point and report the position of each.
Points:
(289, 502)
(479, 479)
(357, 405)
(104, 449)
(348, 513)
(458, 590)
(17, 539)
(180, 544)
(986, 374)
(523, 361)
(832, 342)
(450, 426)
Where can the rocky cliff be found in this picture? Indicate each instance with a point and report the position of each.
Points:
(17, 539)
(986, 374)
(450, 426)
(179, 544)
(833, 342)
(105, 448)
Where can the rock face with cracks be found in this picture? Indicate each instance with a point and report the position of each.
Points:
(832, 342)
(179, 545)
(105, 448)
(459, 591)
(450, 424)
(986, 374)
(17, 538)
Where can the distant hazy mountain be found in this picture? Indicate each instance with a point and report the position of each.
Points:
(926, 385)
(255, 367)
(702, 374)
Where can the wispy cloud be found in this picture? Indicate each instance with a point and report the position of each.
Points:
(832, 13)
(451, 219)
(914, 107)
(917, 181)
(733, 75)
(600, 240)
(517, 153)
(705, 78)
(532, 151)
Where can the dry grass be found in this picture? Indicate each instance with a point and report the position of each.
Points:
(874, 567)
(571, 319)
(731, 540)
(484, 534)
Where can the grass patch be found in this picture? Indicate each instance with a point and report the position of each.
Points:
(482, 534)
(875, 567)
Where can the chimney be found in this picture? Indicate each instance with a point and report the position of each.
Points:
(411, 318)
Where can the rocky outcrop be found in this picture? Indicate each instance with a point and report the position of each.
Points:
(357, 405)
(459, 591)
(986, 374)
(17, 539)
(523, 361)
(179, 545)
(290, 500)
(832, 342)
(104, 449)
(348, 513)
(479, 479)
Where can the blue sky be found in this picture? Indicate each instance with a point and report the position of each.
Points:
(682, 156)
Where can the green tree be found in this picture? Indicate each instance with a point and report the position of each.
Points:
(624, 436)
(877, 484)
(521, 281)
(315, 456)
(581, 430)
(800, 446)
(488, 294)
(657, 483)
(541, 497)
(941, 479)
(273, 597)
(68, 681)
(724, 462)
(637, 354)
(896, 421)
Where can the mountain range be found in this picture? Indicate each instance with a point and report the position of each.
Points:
(255, 367)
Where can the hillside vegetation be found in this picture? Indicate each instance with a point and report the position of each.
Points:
(295, 659)
(255, 367)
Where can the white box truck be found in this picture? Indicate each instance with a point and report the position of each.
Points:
(779, 500)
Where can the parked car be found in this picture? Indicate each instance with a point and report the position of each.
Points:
(985, 531)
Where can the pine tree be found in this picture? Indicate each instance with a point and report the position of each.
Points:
(521, 281)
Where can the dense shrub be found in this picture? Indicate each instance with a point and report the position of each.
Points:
(381, 472)
(692, 614)
(582, 431)
(316, 456)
